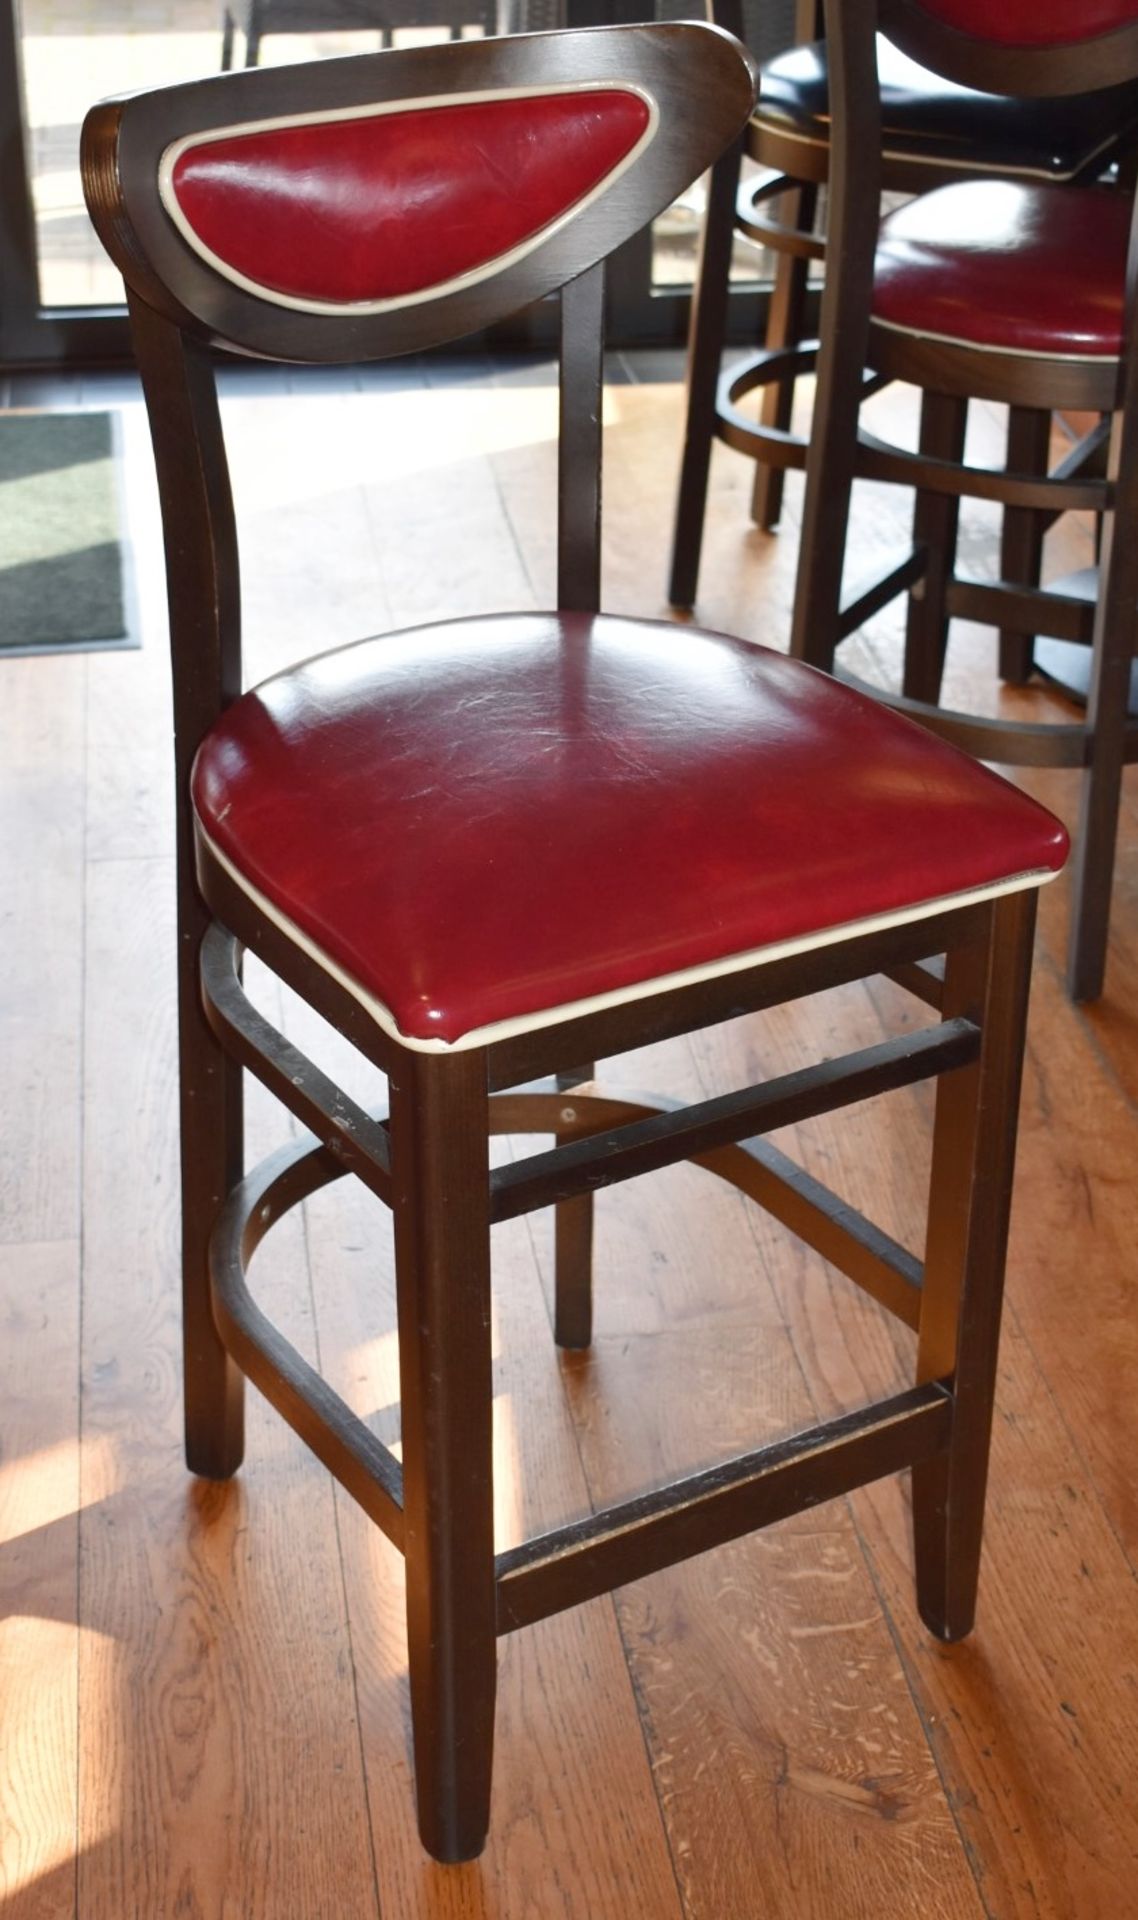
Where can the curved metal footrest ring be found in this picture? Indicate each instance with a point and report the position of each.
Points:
(771, 366)
(869, 1257)
(774, 446)
(639, 1133)
(1010, 743)
(338, 1437)
(768, 232)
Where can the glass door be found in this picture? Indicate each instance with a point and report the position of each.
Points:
(60, 298)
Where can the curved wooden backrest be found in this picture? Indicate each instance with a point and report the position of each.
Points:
(351, 209)
(1037, 47)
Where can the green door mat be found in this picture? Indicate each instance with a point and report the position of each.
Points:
(62, 581)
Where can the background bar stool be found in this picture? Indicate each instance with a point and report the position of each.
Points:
(934, 131)
(997, 291)
(492, 848)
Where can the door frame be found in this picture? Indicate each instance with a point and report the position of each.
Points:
(30, 333)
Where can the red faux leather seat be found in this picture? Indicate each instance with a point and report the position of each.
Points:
(486, 821)
(1019, 269)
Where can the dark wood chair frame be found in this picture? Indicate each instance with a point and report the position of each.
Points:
(431, 1145)
(949, 376)
(793, 174)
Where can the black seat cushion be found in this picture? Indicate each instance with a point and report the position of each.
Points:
(926, 117)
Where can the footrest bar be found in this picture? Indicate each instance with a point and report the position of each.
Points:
(1041, 610)
(657, 1529)
(344, 1128)
(872, 599)
(878, 460)
(645, 1145)
(924, 978)
(1010, 743)
(765, 228)
(863, 1252)
(361, 1463)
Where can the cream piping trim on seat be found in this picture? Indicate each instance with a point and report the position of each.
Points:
(1007, 353)
(600, 1002)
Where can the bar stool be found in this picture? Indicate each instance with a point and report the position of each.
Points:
(490, 849)
(934, 132)
(996, 291)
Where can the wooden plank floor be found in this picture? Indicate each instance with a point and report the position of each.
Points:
(202, 1690)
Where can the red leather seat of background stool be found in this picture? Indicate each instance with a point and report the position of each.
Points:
(1025, 269)
(481, 820)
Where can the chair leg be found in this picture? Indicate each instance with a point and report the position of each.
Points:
(785, 328)
(1115, 627)
(253, 33)
(705, 347)
(825, 519)
(439, 1126)
(1021, 546)
(573, 1244)
(227, 30)
(573, 1272)
(936, 519)
(831, 459)
(969, 1206)
(212, 1153)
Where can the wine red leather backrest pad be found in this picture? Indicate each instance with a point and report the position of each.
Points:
(271, 211)
(359, 209)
